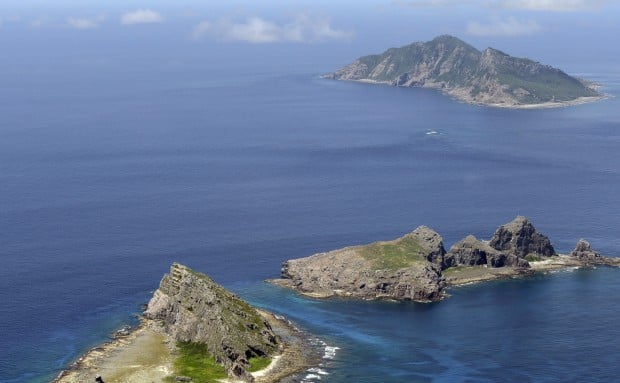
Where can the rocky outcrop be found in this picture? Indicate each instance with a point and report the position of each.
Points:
(432, 243)
(520, 238)
(490, 77)
(408, 268)
(588, 257)
(193, 308)
(583, 250)
(473, 252)
(508, 247)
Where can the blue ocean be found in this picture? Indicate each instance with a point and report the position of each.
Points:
(112, 170)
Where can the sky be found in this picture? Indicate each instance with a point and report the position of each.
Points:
(568, 32)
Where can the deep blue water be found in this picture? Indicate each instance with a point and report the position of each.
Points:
(105, 180)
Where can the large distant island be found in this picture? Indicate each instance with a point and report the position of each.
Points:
(490, 77)
(416, 266)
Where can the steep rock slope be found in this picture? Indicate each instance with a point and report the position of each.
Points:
(519, 237)
(193, 308)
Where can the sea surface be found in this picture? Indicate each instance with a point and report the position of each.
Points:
(109, 175)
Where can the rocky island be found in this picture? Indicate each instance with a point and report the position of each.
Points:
(489, 77)
(417, 267)
(194, 330)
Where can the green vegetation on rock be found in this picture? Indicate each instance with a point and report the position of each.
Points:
(257, 364)
(196, 362)
(395, 254)
(192, 307)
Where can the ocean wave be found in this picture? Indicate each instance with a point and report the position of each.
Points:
(319, 371)
(311, 377)
(314, 374)
(330, 352)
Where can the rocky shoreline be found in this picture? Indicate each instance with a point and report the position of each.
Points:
(465, 97)
(417, 267)
(144, 353)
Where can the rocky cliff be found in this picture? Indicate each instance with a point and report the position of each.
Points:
(193, 308)
(408, 268)
(471, 251)
(490, 77)
(520, 238)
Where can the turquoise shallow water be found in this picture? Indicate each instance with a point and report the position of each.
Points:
(553, 327)
(104, 186)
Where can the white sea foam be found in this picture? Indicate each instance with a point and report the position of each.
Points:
(330, 352)
(316, 370)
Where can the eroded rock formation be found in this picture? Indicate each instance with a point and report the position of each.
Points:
(471, 251)
(521, 238)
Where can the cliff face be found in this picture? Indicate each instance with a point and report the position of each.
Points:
(194, 308)
(521, 238)
(473, 252)
(489, 77)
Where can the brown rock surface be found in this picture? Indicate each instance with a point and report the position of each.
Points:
(408, 268)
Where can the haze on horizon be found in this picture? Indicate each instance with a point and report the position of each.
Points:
(306, 35)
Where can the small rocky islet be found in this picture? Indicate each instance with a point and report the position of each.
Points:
(489, 77)
(417, 267)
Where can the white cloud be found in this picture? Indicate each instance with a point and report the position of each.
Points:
(85, 23)
(430, 3)
(530, 5)
(141, 16)
(256, 30)
(552, 5)
(36, 23)
(507, 27)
